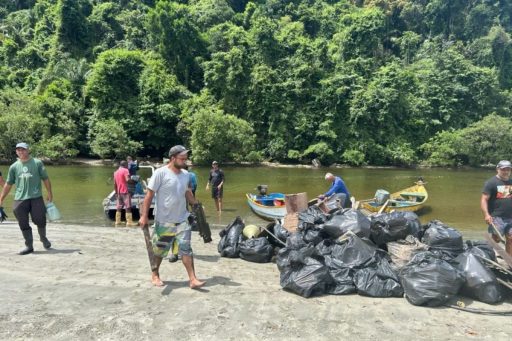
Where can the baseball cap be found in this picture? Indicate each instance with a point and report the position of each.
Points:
(504, 164)
(22, 145)
(215, 163)
(178, 149)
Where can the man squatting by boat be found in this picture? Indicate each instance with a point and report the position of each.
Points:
(170, 186)
(337, 186)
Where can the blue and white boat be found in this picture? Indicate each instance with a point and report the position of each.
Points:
(270, 207)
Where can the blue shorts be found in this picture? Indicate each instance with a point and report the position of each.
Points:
(171, 235)
(504, 225)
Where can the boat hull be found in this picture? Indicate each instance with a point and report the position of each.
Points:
(266, 211)
(410, 199)
(110, 209)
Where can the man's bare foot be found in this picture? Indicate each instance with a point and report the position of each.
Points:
(157, 282)
(195, 284)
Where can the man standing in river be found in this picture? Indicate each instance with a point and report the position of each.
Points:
(216, 179)
(170, 185)
(26, 173)
(496, 203)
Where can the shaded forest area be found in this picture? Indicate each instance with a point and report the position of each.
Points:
(396, 82)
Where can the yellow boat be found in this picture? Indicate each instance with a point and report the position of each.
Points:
(409, 199)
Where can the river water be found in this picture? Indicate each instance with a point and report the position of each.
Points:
(453, 194)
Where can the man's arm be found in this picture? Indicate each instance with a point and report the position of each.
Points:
(222, 180)
(5, 190)
(144, 211)
(48, 185)
(484, 206)
(190, 197)
(2, 181)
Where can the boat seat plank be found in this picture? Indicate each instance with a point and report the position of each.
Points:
(412, 194)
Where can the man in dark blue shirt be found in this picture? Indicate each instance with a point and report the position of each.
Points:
(337, 186)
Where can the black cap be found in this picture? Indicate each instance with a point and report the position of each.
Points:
(179, 149)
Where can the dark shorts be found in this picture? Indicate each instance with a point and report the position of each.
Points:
(504, 225)
(217, 193)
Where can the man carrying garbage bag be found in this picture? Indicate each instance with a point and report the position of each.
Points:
(26, 173)
(496, 204)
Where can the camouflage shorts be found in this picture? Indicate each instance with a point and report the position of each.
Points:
(171, 236)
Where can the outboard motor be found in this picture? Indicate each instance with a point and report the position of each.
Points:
(262, 189)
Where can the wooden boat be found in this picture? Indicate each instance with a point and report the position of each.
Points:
(270, 207)
(409, 199)
(110, 202)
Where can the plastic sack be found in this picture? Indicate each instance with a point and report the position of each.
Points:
(356, 253)
(342, 277)
(312, 235)
(52, 211)
(414, 224)
(378, 280)
(443, 238)
(481, 248)
(257, 250)
(428, 280)
(481, 283)
(231, 238)
(308, 279)
(347, 220)
(312, 216)
(389, 227)
(402, 251)
(279, 231)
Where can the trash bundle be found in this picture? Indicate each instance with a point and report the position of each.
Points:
(347, 220)
(301, 273)
(378, 280)
(481, 248)
(310, 217)
(443, 239)
(389, 227)
(257, 250)
(481, 283)
(429, 280)
(231, 237)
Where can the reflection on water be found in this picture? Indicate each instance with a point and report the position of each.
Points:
(454, 195)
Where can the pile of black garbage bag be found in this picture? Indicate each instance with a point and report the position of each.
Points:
(386, 255)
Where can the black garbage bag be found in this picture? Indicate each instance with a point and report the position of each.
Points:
(414, 224)
(347, 220)
(441, 237)
(356, 253)
(257, 250)
(295, 241)
(336, 202)
(307, 279)
(378, 280)
(312, 216)
(231, 237)
(481, 283)
(312, 235)
(280, 232)
(324, 248)
(343, 282)
(481, 248)
(287, 258)
(428, 280)
(389, 227)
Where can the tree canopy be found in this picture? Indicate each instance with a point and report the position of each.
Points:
(381, 82)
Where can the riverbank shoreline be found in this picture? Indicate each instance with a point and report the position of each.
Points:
(95, 284)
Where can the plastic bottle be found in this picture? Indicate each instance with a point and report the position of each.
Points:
(53, 212)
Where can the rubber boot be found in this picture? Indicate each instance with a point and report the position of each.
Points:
(29, 242)
(42, 237)
(118, 219)
(129, 220)
(508, 244)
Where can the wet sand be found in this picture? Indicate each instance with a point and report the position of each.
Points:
(95, 284)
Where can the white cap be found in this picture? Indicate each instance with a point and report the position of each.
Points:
(328, 175)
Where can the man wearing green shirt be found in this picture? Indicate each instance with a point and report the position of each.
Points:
(26, 173)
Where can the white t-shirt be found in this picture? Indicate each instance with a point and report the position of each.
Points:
(170, 201)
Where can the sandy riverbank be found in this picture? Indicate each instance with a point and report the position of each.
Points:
(95, 284)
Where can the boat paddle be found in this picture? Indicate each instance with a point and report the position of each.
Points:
(149, 248)
(383, 207)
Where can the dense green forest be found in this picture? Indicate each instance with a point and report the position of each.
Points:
(381, 82)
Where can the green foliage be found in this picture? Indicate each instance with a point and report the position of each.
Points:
(354, 157)
(108, 139)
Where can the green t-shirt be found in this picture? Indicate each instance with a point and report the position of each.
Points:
(27, 177)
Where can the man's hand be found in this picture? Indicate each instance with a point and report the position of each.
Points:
(207, 186)
(219, 187)
(143, 221)
(321, 197)
(488, 219)
(196, 205)
(49, 197)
